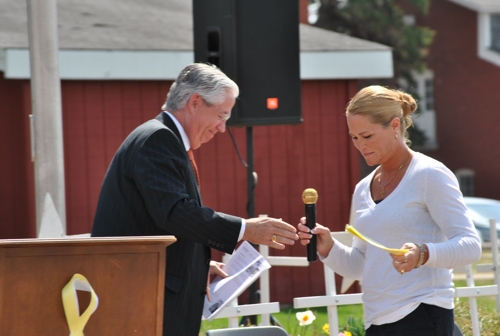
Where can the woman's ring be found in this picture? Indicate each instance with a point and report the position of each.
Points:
(274, 238)
(402, 271)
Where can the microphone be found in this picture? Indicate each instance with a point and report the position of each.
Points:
(310, 196)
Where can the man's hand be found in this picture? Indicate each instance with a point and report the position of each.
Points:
(216, 269)
(270, 231)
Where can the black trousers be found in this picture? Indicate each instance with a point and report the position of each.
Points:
(426, 320)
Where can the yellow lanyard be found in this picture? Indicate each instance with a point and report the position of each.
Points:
(77, 322)
(356, 233)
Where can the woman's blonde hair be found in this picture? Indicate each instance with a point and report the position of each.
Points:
(382, 105)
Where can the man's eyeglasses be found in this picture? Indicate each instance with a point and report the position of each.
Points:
(222, 116)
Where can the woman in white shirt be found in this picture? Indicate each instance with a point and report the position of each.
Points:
(410, 201)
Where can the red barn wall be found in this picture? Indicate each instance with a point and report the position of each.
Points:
(17, 215)
(98, 115)
(466, 96)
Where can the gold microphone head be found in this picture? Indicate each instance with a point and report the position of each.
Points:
(310, 196)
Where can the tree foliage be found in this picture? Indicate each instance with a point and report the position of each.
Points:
(382, 21)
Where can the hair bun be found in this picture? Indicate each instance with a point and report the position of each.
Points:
(408, 103)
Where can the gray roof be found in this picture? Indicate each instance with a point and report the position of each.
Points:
(486, 6)
(153, 40)
(140, 25)
(317, 39)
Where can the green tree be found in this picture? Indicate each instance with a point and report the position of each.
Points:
(382, 21)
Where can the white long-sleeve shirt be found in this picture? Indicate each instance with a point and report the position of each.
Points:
(425, 208)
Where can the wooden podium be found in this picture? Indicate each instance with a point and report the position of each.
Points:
(126, 273)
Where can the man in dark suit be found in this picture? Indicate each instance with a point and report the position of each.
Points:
(151, 188)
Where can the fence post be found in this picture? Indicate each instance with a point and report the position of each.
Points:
(494, 254)
(265, 295)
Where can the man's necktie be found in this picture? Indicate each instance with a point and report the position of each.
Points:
(193, 164)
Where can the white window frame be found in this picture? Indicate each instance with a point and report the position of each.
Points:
(426, 118)
(484, 38)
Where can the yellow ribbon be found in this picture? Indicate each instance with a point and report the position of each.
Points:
(77, 322)
(356, 233)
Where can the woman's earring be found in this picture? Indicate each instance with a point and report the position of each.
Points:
(396, 136)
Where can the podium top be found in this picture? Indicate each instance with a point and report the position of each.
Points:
(129, 240)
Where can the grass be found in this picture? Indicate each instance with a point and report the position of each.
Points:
(489, 317)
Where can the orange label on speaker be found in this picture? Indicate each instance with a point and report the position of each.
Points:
(272, 103)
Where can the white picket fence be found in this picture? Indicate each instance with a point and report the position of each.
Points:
(494, 267)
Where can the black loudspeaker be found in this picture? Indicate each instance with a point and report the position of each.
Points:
(256, 44)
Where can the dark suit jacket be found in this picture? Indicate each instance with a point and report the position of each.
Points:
(150, 189)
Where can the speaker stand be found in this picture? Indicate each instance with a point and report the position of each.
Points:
(251, 184)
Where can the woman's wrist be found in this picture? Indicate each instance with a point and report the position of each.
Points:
(325, 251)
(423, 256)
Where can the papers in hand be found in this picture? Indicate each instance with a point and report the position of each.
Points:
(244, 267)
(356, 233)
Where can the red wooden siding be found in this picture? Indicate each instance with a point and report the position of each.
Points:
(17, 216)
(98, 115)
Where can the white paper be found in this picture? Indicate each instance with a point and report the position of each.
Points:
(51, 225)
(244, 267)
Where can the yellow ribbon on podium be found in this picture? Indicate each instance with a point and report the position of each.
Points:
(77, 322)
(354, 232)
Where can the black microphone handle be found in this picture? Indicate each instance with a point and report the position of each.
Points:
(311, 224)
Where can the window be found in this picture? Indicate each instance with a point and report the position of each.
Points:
(489, 37)
(495, 32)
(465, 179)
(425, 117)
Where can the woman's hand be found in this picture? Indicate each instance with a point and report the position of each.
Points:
(324, 240)
(407, 262)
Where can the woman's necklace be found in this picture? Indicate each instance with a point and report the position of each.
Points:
(392, 178)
